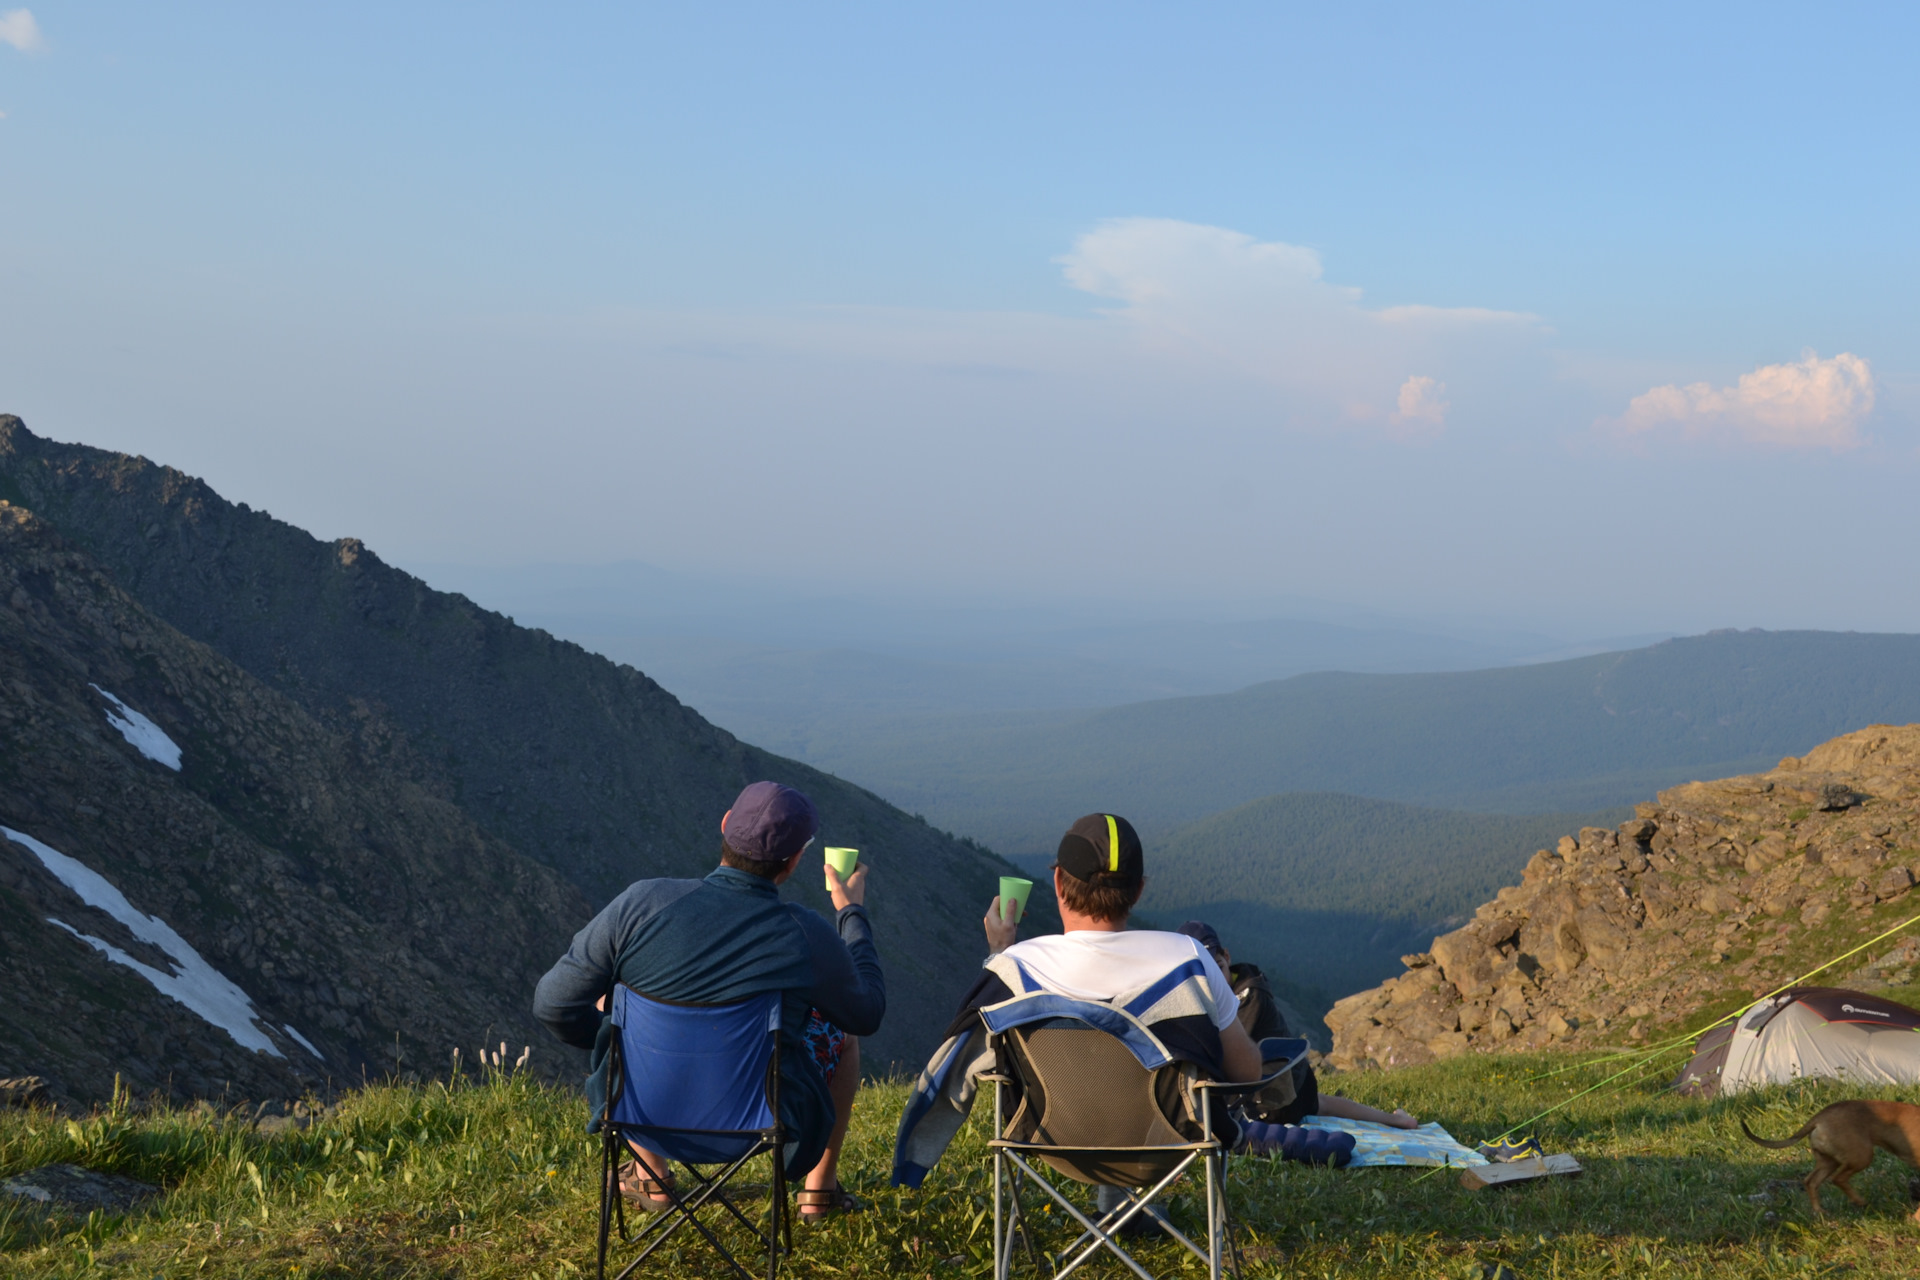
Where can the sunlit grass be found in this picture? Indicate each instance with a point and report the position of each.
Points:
(495, 1178)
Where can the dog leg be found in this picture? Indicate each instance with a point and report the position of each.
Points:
(1844, 1180)
(1822, 1170)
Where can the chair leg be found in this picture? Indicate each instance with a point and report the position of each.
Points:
(1017, 1226)
(1233, 1259)
(1213, 1217)
(777, 1214)
(1001, 1263)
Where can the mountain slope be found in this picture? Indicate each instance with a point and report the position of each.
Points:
(585, 766)
(1715, 894)
(1330, 890)
(1579, 734)
(301, 909)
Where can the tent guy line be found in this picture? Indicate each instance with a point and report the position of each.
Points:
(1662, 1050)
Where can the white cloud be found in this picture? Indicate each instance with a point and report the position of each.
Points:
(1213, 297)
(1810, 404)
(18, 29)
(1421, 408)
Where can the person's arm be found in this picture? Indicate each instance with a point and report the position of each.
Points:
(569, 999)
(1238, 1053)
(848, 988)
(1332, 1104)
(1001, 934)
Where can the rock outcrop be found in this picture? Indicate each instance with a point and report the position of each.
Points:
(1712, 895)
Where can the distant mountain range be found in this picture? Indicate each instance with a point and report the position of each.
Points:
(1582, 734)
(785, 666)
(583, 774)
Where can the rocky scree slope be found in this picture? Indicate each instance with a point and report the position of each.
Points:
(324, 913)
(1709, 897)
(588, 767)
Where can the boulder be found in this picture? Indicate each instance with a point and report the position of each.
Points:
(1835, 796)
(24, 1091)
(1466, 957)
(67, 1188)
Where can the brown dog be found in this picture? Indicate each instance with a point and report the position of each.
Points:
(1843, 1137)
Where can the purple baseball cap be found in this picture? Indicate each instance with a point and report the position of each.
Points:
(769, 823)
(1203, 933)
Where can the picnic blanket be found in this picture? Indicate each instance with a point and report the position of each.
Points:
(1379, 1144)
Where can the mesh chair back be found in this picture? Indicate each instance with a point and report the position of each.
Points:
(694, 1067)
(1082, 1087)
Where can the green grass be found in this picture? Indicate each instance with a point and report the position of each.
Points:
(494, 1179)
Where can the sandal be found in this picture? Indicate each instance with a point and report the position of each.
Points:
(641, 1189)
(828, 1201)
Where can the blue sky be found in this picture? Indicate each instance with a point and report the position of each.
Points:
(1566, 316)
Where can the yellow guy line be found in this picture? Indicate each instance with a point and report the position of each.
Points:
(1668, 1046)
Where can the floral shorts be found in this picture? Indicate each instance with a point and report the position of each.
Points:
(823, 1042)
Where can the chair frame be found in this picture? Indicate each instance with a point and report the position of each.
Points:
(776, 1240)
(1011, 1165)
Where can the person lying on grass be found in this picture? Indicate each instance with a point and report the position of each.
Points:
(727, 938)
(1260, 1017)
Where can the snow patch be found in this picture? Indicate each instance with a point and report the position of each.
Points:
(146, 736)
(304, 1042)
(194, 983)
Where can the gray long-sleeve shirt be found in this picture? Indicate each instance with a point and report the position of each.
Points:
(715, 941)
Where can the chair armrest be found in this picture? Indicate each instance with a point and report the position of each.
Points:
(1240, 1086)
(993, 1077)
(1283, 1052)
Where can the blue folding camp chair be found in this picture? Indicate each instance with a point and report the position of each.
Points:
(699, 1084)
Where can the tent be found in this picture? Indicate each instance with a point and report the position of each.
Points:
(1826, 1032)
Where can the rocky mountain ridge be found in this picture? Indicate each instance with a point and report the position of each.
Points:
(1710, 896)
(204, 890)
(584, 766)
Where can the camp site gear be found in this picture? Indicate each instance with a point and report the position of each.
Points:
(1298, 1142)
(699, 1084)
(1088, 1092)
(1808, 1033)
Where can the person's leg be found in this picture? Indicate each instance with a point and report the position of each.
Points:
(643, 1179)
(1332, 1104)
(822, 1195)
(841, 1087)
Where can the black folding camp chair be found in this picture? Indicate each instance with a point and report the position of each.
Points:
(1087, 1090)
(699, 1084)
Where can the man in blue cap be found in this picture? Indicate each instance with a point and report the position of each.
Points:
(726, 938)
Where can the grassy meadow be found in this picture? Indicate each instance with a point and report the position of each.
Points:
(494, 1178)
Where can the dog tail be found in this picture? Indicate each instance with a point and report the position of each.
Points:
(1777, 1143)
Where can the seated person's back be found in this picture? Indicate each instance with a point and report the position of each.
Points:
(729, 937)
(1167, 980)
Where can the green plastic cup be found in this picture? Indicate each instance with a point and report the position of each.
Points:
(1013, 898)
(843, 861)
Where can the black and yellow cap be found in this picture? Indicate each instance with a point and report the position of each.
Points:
(1101, 842)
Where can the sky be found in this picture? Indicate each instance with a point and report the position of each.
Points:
(1587, 318)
